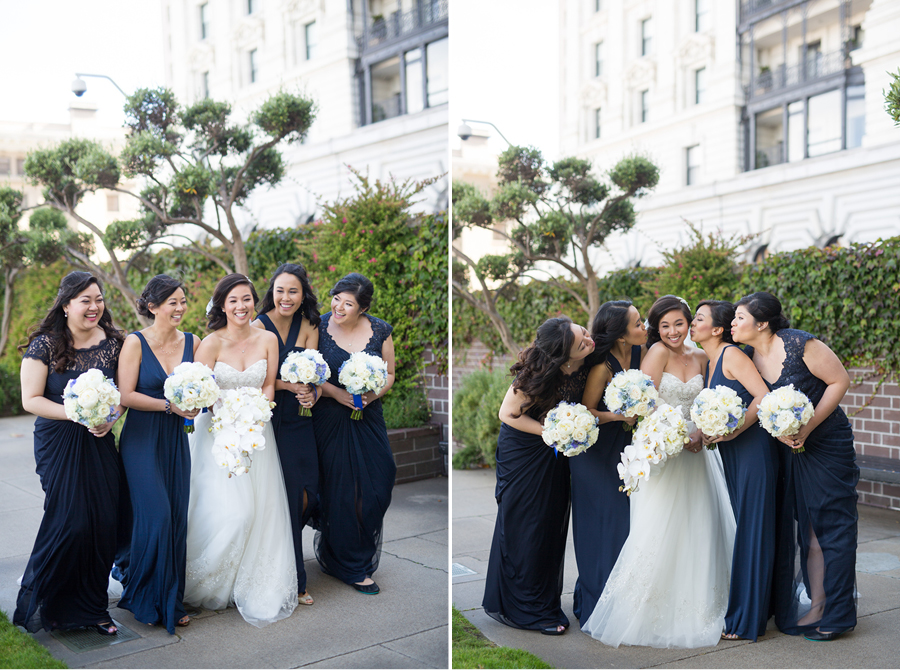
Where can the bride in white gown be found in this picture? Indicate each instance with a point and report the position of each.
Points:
(670, 584)
(239, 546)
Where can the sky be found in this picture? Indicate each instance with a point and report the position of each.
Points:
(45, 42)
(504, 68)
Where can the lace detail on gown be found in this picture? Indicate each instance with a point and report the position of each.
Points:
(229, 378)
(677, 393)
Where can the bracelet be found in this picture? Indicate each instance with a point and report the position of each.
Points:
(168, 407)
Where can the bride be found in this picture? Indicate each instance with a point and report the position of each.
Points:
(669, 586)
(239, 547)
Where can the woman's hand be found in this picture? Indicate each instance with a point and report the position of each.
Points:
(630, 420)
(187, 414)
(797, 441)
(346, 398)
(714, 439)
(696, 442)
(291, 387)
(307, 395)
(103, 428)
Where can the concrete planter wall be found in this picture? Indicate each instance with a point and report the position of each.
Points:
(417, 452)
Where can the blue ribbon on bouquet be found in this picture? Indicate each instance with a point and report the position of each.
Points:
(357, 413)
(189, 425)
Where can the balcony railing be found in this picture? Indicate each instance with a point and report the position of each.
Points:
(397, 25)
(781, 77)
(750, 8)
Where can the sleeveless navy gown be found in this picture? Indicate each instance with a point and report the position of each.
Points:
(296, 442)
(356, 471)
(66, 578)
(600, 512)
(751, 472)
(157, 462)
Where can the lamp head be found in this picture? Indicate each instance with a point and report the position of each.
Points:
(464, 131)
(79, 87)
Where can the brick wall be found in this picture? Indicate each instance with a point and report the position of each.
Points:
(417, 452)
(475, 357)
(437, 390)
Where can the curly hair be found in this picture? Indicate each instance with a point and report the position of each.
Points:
(156, 292)
(664, 305)
(765, 307)
(538, 371)
(216, 318)
(609, 324)
(310, 305)
(722, 315)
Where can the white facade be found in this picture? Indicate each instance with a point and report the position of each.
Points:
(760, 119)
(242, 51)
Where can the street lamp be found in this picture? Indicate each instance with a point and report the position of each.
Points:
(465, 130)
(79, 87)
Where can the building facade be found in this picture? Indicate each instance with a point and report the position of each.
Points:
(766, 117)
(376, 69)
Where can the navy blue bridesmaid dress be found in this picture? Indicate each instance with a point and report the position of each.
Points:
(66, 578)
(751, 472)
(356, 471)
(157, 462)
(525, 570)
(297, 452)
(600, 512)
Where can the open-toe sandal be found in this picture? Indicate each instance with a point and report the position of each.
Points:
(305, 599)
(105, 628)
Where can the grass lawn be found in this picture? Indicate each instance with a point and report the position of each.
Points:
(471, 649)
(19, 650)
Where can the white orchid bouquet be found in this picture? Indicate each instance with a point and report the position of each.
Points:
(570, 428)
(240, 415)
(784, 410)
(718, 411)
(660, 436)
(360, 374)
(191, 386)
(305, 367)
(631, 393)
(91, 399)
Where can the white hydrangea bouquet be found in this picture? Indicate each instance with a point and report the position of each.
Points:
(570, 428)
(240, 415)
(305, 367)
(783, 411)
(191, 386)
(718, 411)
(360, 374)
(631, 393)
(658, 437)
(91, 399)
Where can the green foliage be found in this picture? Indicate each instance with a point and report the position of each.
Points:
(10, 387)
(469, 204)
(286, 116)
(892, 98)
(155, 111)
(629, 284)
(70, 169)
(635, 175)
(471, 649)
(406, 408)
(20, 650)
(476, 421)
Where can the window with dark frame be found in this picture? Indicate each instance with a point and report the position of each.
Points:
(204, 84)
(597, 123)
(253, 71)
(204, 20)
(701, 15)
(699, 86)
(645, 105)
(646, 36)
(309, 39)
(251, 6)
(692, 173)
(598, 59)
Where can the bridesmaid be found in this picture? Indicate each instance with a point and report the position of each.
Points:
(290, 310)
(156, 457)
(750, 460)
(600, 516)
(819, 483)
(66, 578)
(525, 568)
(356, 465)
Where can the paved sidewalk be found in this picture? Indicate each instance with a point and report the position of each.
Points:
(403, 627)
(874, 644)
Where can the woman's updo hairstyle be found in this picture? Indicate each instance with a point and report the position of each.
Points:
(609, 324)
(216, 318)
(310, 305)
(156, 292)
(765, 307)
(359, 285)
(666, 304)
(722, 315)
(538, 372)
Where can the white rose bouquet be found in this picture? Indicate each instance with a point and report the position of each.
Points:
(784, 410)
(191, 386)
(360, 374)
(631, 393)
(718, 411)
(91, 399)
(238, 423)
(660, 436)
(305, 367)
(570, 428)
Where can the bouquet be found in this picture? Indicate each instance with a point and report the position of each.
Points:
(570, 428)
(718, 411)
(631, 393)
(191, 386)
(91, 399)
(784, 410)
(660, 436)
(305, 367)
(238, 423)
(360, 374)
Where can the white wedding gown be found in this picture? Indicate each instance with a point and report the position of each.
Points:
(239, 544)
(669, 586)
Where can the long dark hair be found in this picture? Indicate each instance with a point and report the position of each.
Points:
(54, 325)
(664, 305)
(763, 306)
(538, 372)
(357, 284)
(609, 324)
(156, 292)
(310, 305)
(722, 315)
(216, 318)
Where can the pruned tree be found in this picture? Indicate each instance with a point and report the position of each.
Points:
(892, 98)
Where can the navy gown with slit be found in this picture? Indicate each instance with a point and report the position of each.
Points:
(818, 505)
(297, 452)
(157, 461)
(525, 570)
(751, 472)
(66, 577)
(600, 512)
(356, 471)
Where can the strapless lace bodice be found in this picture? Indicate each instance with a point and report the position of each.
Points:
(675, 392)
(229, 378)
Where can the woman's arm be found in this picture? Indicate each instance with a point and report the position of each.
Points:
(738, 365)
(512, 401)
(598, 378)
(33, 377)
(128, 372)
(271, 342)
(824, 364)
(655, 362)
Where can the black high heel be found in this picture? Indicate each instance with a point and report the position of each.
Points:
(821, 636)
(106, 628)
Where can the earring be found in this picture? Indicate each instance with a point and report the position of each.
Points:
(66, 314)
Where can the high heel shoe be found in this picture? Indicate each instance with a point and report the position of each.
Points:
(822, 636)
(105, 628)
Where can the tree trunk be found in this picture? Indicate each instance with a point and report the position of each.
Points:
(9, 277)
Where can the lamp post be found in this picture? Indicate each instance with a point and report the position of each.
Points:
(465, 130)
(79, 87)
